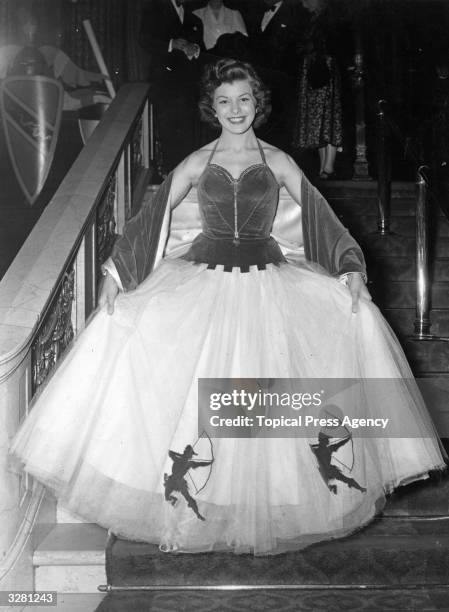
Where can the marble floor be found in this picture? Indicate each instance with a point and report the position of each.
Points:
(70, 602)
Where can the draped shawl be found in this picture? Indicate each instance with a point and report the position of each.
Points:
(311, 230)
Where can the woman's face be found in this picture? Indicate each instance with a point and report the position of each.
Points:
(235, 106)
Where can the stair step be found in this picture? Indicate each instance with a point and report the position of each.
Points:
(390, 551)
(403, 268)
(282, 600)
(71, 558)
(403, 225)
(402, 321)
(402, 294)
(422, 498)
(365, 189)
(435, 392)
(368, 205)
(400, 246)
(352, 206)
(75, 602)
(427, 356)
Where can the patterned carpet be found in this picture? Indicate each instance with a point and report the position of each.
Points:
(391, 551)
(399, 562)
(281, 601)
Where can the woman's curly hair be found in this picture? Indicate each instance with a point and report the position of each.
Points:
(228, 71)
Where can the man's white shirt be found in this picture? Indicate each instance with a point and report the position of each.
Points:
(269, 15)
(179, 10)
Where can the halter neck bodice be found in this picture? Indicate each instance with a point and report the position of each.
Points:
(237, 216)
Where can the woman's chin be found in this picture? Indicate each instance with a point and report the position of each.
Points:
(237, 128)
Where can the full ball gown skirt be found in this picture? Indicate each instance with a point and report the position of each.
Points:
(126, 393)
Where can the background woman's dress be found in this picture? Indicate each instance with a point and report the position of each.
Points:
(126, 394)
(319, 110)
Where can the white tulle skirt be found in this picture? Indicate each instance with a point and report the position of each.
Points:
(100, 431)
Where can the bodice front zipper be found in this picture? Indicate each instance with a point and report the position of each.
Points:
(236, 240)
(235, 182)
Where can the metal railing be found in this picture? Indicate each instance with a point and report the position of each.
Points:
(425, 195)
(383, 171)
(422, 321)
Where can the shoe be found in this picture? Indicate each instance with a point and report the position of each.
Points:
(327, 176)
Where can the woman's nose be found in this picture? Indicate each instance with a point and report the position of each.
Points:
(235, 106)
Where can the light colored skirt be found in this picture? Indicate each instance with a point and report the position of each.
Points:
(126, 394)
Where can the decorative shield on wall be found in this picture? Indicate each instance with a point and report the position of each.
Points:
(31, 109)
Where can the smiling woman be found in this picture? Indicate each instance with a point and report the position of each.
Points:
(240, 74)
(235, 105)
(232, 307)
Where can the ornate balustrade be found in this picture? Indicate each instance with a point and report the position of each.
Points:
(51, 287)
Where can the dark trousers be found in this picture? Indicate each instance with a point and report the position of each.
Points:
(279, 127)
(176, 117)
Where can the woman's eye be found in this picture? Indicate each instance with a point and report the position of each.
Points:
(222, 102)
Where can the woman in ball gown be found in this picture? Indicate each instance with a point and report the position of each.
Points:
(115, 432)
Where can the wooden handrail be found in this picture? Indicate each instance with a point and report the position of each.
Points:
(40, 265)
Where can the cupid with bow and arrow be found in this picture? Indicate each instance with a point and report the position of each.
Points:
(324, 452)
(182, 464)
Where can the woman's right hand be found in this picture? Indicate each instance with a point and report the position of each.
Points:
(108, 293)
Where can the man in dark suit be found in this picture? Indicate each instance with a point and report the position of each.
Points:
(277, 29)
(173, 38)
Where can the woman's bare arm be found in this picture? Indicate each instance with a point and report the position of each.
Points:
(186, 175)
(288, 174)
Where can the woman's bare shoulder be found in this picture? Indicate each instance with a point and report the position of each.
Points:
(195, 163)
(279, 161)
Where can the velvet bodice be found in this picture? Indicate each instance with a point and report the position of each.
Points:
(326, 241)
(236, 216)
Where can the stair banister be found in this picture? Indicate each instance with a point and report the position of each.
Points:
(383, 171)
(50, 289)
(422, 322)
(361, 172)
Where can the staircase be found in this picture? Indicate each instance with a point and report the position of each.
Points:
(399, 562)
(392, 268)
(69, 556)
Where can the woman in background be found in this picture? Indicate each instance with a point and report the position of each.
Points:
(318, 124)
(218, 20)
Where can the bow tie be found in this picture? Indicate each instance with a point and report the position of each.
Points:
(179, 2)
(271, 9)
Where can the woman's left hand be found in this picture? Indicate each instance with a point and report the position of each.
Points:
(357, 288)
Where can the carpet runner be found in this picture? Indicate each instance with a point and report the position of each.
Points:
(366, 600)
(408, 545)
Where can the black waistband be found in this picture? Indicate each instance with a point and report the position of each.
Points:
(224, 252)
